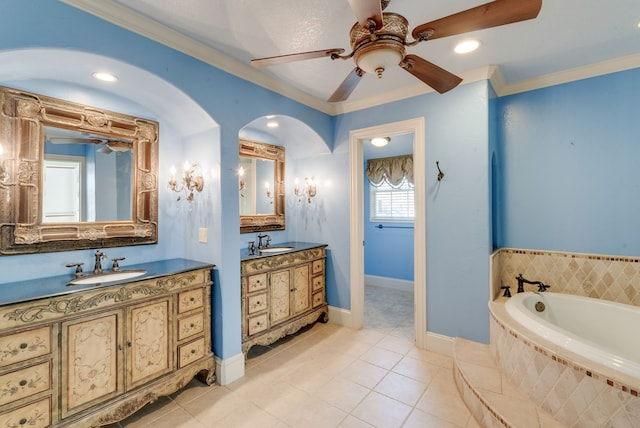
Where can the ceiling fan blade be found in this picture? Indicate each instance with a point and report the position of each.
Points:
(492, 14)
(283, 59)
(438, 78)
(347, 86)
(367, 11)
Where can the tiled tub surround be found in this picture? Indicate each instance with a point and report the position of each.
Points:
(599, 276)
(576, 391)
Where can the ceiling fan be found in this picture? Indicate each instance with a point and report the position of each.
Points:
(104, 145)
(379, 40)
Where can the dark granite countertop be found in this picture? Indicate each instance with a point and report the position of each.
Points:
(40, 288)
(296, 246)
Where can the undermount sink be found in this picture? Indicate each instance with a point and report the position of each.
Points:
(275, 249)
(107, 277)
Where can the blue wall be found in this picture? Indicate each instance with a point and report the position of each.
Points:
(570, 179)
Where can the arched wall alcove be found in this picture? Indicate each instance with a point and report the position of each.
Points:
(301, 143)
(187, 132)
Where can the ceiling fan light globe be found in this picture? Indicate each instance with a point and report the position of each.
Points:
(379, 59)
(380, 141)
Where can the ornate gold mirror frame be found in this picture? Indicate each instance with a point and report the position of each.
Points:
(264, 222)
(23, 116)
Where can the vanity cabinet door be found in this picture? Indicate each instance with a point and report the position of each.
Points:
(148, 341)
(280, 299)
(301, 291)
(92, 363)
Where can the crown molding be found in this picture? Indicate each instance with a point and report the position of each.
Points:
(122, 16)
(579, 73)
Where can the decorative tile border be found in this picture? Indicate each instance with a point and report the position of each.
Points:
(556, 384)
(599, 276)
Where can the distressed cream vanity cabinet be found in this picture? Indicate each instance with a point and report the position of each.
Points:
(94, 356)
(282, 292)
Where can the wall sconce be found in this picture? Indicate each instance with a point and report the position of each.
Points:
(308, 190)
(267, 187)
(191, 181)
(242, 183)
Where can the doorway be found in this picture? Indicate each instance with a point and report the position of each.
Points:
(356, 139)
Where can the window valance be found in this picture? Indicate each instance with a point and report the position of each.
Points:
(392, 170)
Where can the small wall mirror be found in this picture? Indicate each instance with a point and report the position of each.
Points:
(74, 176)
(261, 186)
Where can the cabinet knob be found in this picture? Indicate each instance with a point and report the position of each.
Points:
(23, 346)
(192, 325)
(23, 421)
(23, 382)
(128, 344)
(193, 351)
(193, 299)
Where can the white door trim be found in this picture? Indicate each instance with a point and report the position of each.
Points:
(356, 234)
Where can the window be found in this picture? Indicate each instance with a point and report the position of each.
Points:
(392, 203)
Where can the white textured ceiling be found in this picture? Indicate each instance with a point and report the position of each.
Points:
(567, 34)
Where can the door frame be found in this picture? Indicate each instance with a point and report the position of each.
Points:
(356, 234)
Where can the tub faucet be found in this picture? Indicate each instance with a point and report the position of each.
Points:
(97, 269)
(522, 280)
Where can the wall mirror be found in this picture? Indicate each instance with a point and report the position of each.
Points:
(261, 186)
(73, 176)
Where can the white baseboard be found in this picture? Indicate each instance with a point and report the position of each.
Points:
(340, 316)
(230, 369)
(440, 343)
(393, 283)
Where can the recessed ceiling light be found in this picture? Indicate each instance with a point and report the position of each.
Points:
(467, 46)
(380, 141)
(272, 124)
(271, 116)
(105, 76)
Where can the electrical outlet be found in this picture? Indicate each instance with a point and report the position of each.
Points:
(202, 235)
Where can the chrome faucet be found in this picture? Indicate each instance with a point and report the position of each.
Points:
(260, 245)
(522, 280)
(98, 266)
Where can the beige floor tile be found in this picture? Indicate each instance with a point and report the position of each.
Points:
(247, 415)
(342, 393)
(401, 388)
(364, 373)
(417, 369)
(193, 390)
(431, 357)
(420, 419)
(382, 357)
(401, 345)
(382, 411)
(177, 418)
(443, 383)
(449, 407)
(314, 413)
(474, 352)
(214, 405)
(353, 422)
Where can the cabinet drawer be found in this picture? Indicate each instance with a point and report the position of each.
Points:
(317, 266)
(190, 300)
(190, 326)
(257, 303)
(25, 345)
(257, 283)
(317, 283)
(34, 415)
(190, 352)
(257, 324)
(25, 382)
(318, 299)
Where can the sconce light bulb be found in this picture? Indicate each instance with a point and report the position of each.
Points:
(266, 184)
(241, 172)
(173, 170)
(1, 150)
(186, 166)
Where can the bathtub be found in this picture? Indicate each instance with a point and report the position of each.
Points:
(595, 329)
(578, 358)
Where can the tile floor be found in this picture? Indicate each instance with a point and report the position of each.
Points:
(326, 376)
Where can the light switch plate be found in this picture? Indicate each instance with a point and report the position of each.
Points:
(203, 235)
